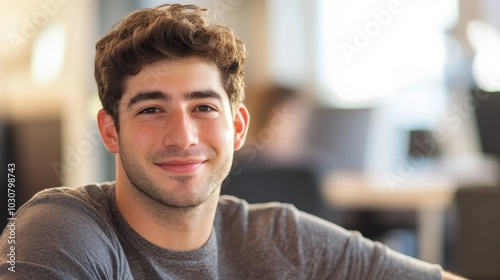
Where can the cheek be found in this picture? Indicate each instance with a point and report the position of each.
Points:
(219, 136)
(138, 136)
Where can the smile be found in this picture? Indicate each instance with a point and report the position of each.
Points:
(181, 166)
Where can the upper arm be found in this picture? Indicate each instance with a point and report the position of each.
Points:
(339, 252)
(60, 239)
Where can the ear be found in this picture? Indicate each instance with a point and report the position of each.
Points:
(241, 122)
(108, 131)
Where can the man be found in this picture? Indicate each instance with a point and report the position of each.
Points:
(171, 85)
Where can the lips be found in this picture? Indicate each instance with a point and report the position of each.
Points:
(181, 166)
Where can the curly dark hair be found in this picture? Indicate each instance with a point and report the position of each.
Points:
(166, 32)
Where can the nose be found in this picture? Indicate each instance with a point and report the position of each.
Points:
(181, 130)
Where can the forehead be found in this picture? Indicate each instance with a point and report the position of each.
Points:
(176, 77)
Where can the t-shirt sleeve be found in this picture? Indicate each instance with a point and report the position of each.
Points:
(59, 238)
(335, 253)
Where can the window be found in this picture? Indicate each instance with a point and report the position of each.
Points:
(373, 48)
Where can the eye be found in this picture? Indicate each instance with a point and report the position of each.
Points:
(204, 108)
(149, 110)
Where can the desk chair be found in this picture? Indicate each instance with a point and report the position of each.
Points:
(289, 184)
(478, 247)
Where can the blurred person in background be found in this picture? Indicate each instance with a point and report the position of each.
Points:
(278, 134)
(171, 85)
(279, 123)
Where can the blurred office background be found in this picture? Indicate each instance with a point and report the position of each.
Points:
(391, 89)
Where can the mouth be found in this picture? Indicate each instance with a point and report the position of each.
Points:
(181, 166)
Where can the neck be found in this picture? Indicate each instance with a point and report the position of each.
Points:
(179, 229)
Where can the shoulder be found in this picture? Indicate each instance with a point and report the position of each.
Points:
(278, 223)
(275, 216)
(66, 229)
(66, 206)
(89, 202)
(94, 195)
(80, 211)
(285, 239)
(235, 209)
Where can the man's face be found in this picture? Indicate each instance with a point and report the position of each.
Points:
(177, 134)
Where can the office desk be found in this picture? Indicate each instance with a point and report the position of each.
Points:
(428, 196)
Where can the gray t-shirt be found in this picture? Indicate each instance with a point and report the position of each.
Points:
(78, 233)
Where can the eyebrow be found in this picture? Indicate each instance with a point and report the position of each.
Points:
(153, 95)
(158, 95)
(202, 94)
